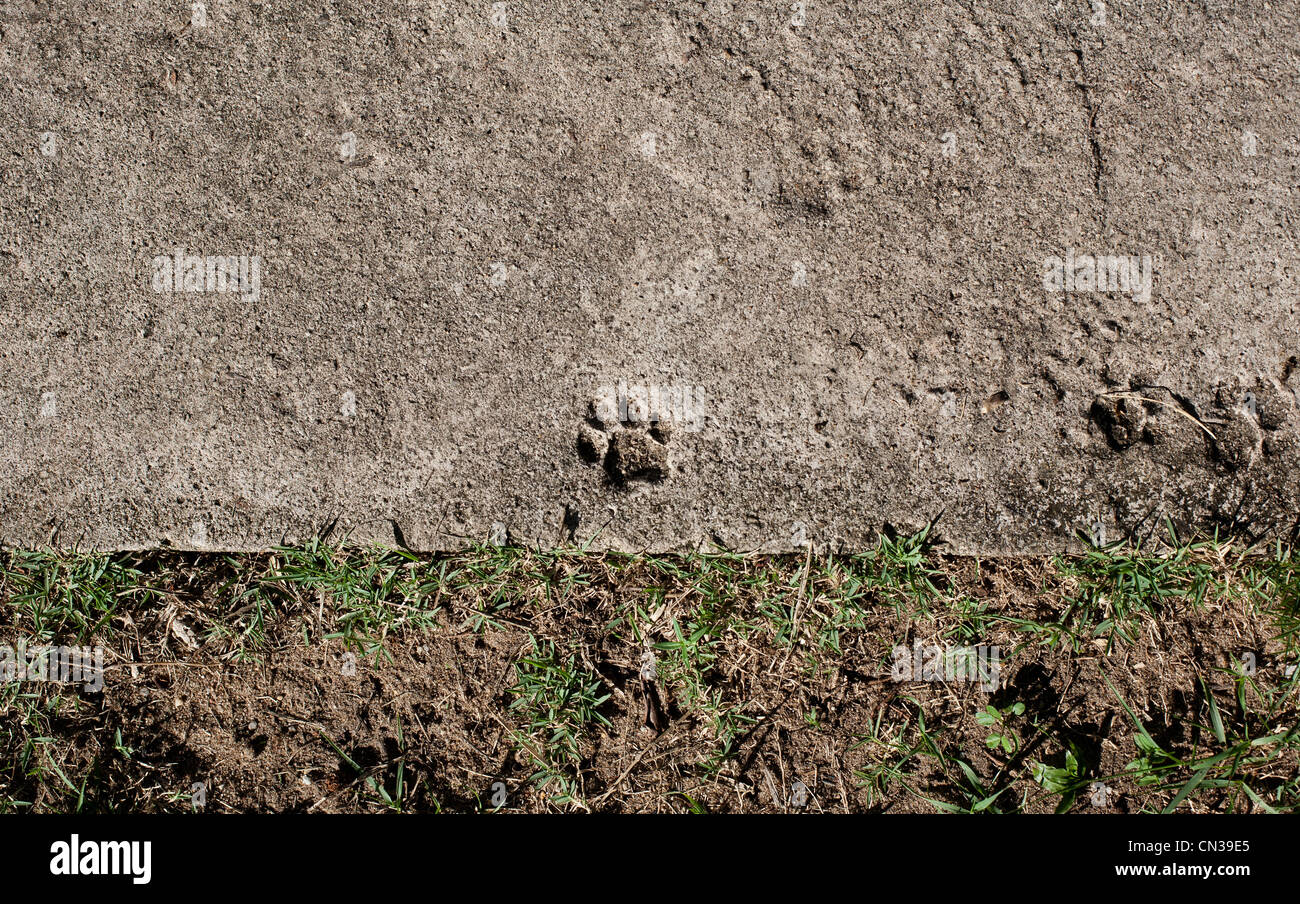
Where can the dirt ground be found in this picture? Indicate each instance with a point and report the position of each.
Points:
(773, 699)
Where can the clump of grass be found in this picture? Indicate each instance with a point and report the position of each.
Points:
(62, 595)
(372, 592)
(1247, 755)
(490, 581)
(910, 750)
(559, 703)
(1273, 585)
(690, 657)
(38, 773)
(242, 606)
(968, 620)
(693, 652)
(60, 598)
(1109, 591)
(898, 574)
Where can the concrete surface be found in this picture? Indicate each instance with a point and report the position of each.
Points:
(432, 240)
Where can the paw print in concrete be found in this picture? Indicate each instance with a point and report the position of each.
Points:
(627, 452)
(1232, 429)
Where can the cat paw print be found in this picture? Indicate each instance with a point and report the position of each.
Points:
(628, 453)
(1235, 428)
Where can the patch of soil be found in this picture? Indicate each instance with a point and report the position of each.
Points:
(306, 724)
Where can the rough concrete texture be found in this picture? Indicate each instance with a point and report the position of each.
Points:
(823, 230)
